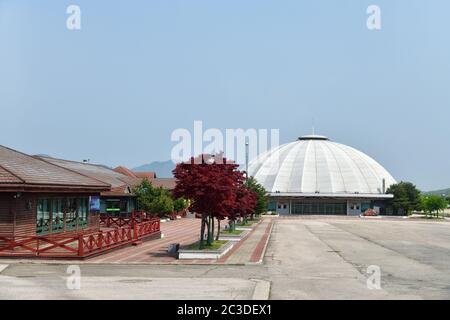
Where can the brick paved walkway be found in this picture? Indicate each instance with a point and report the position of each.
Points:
(186, 231)
(183, 231)
(251, 249)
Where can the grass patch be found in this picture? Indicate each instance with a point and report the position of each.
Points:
(434, 218)
(235, 232)
(242, 224)
(214, 246)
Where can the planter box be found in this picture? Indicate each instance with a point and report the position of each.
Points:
(254, 224)
(233, 237)
(205, 254)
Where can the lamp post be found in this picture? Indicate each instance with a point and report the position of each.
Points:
(246, 162)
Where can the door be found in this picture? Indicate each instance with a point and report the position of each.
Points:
(354, 208)
(283, 208)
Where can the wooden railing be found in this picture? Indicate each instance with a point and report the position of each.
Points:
(78, 245)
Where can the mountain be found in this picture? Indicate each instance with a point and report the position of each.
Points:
(163, 169)
(440, 192)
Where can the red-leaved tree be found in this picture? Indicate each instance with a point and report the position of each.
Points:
(211, 184)
(244, 205)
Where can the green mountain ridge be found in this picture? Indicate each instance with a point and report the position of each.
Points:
(441, 192)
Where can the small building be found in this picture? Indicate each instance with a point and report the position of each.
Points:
(38, 197)
(119, 200)
(316, 176)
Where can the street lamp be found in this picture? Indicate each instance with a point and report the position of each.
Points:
(246, 161)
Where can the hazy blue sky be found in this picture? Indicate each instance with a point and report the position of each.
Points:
(115, 90)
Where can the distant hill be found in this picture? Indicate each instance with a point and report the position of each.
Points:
(440, 192)
(163, 169)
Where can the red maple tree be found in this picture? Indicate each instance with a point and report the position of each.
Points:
(212, 186)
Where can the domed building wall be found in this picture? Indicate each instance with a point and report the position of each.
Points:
(314, 175)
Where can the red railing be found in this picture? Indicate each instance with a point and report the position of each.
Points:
(78, 245)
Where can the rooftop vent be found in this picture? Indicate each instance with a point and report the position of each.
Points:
(313, 137)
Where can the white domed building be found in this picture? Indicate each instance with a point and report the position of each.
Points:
(314, 175)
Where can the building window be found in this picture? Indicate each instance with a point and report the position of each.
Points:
(43, 216)
(58, 215)
(319, 208)
(82, 213)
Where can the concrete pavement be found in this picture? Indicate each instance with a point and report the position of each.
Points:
(312, 258)
(329, 259)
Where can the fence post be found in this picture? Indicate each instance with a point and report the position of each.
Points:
(135, 231)
(100, 239)
(80, 246)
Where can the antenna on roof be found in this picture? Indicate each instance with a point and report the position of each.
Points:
(313, 129)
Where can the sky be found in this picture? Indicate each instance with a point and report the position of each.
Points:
(115, 90)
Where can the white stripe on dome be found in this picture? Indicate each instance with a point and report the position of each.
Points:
(286, 168)
(270, 167)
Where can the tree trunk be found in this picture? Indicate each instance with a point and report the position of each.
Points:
(202, 233)
(212, 229)
(232, 225)
(209, 238)
(218, 230)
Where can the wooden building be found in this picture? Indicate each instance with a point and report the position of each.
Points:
(38, 197)
(51, 208)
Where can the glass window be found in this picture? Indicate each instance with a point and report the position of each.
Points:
(82, 212)
(43, 217)
(319, 208)
(71, 215)
(113, 206)
(57, 215)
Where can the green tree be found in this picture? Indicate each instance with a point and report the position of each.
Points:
(262, 198)
(406, 197)
(145, 193)
(162, 205)
(433, 204)
(153, 200)
(180, 204)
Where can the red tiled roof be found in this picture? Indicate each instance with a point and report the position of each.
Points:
(119, 191)
(166, 183)
(125, 171)
(149, 175)
(26, 171)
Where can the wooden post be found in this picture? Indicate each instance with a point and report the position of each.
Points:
(80, 246)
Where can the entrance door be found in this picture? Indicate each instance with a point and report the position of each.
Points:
(283, 208)
(354, 208)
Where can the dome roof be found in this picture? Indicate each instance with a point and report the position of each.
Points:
(315, 165)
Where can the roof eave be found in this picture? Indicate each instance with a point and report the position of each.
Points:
(331, 195)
